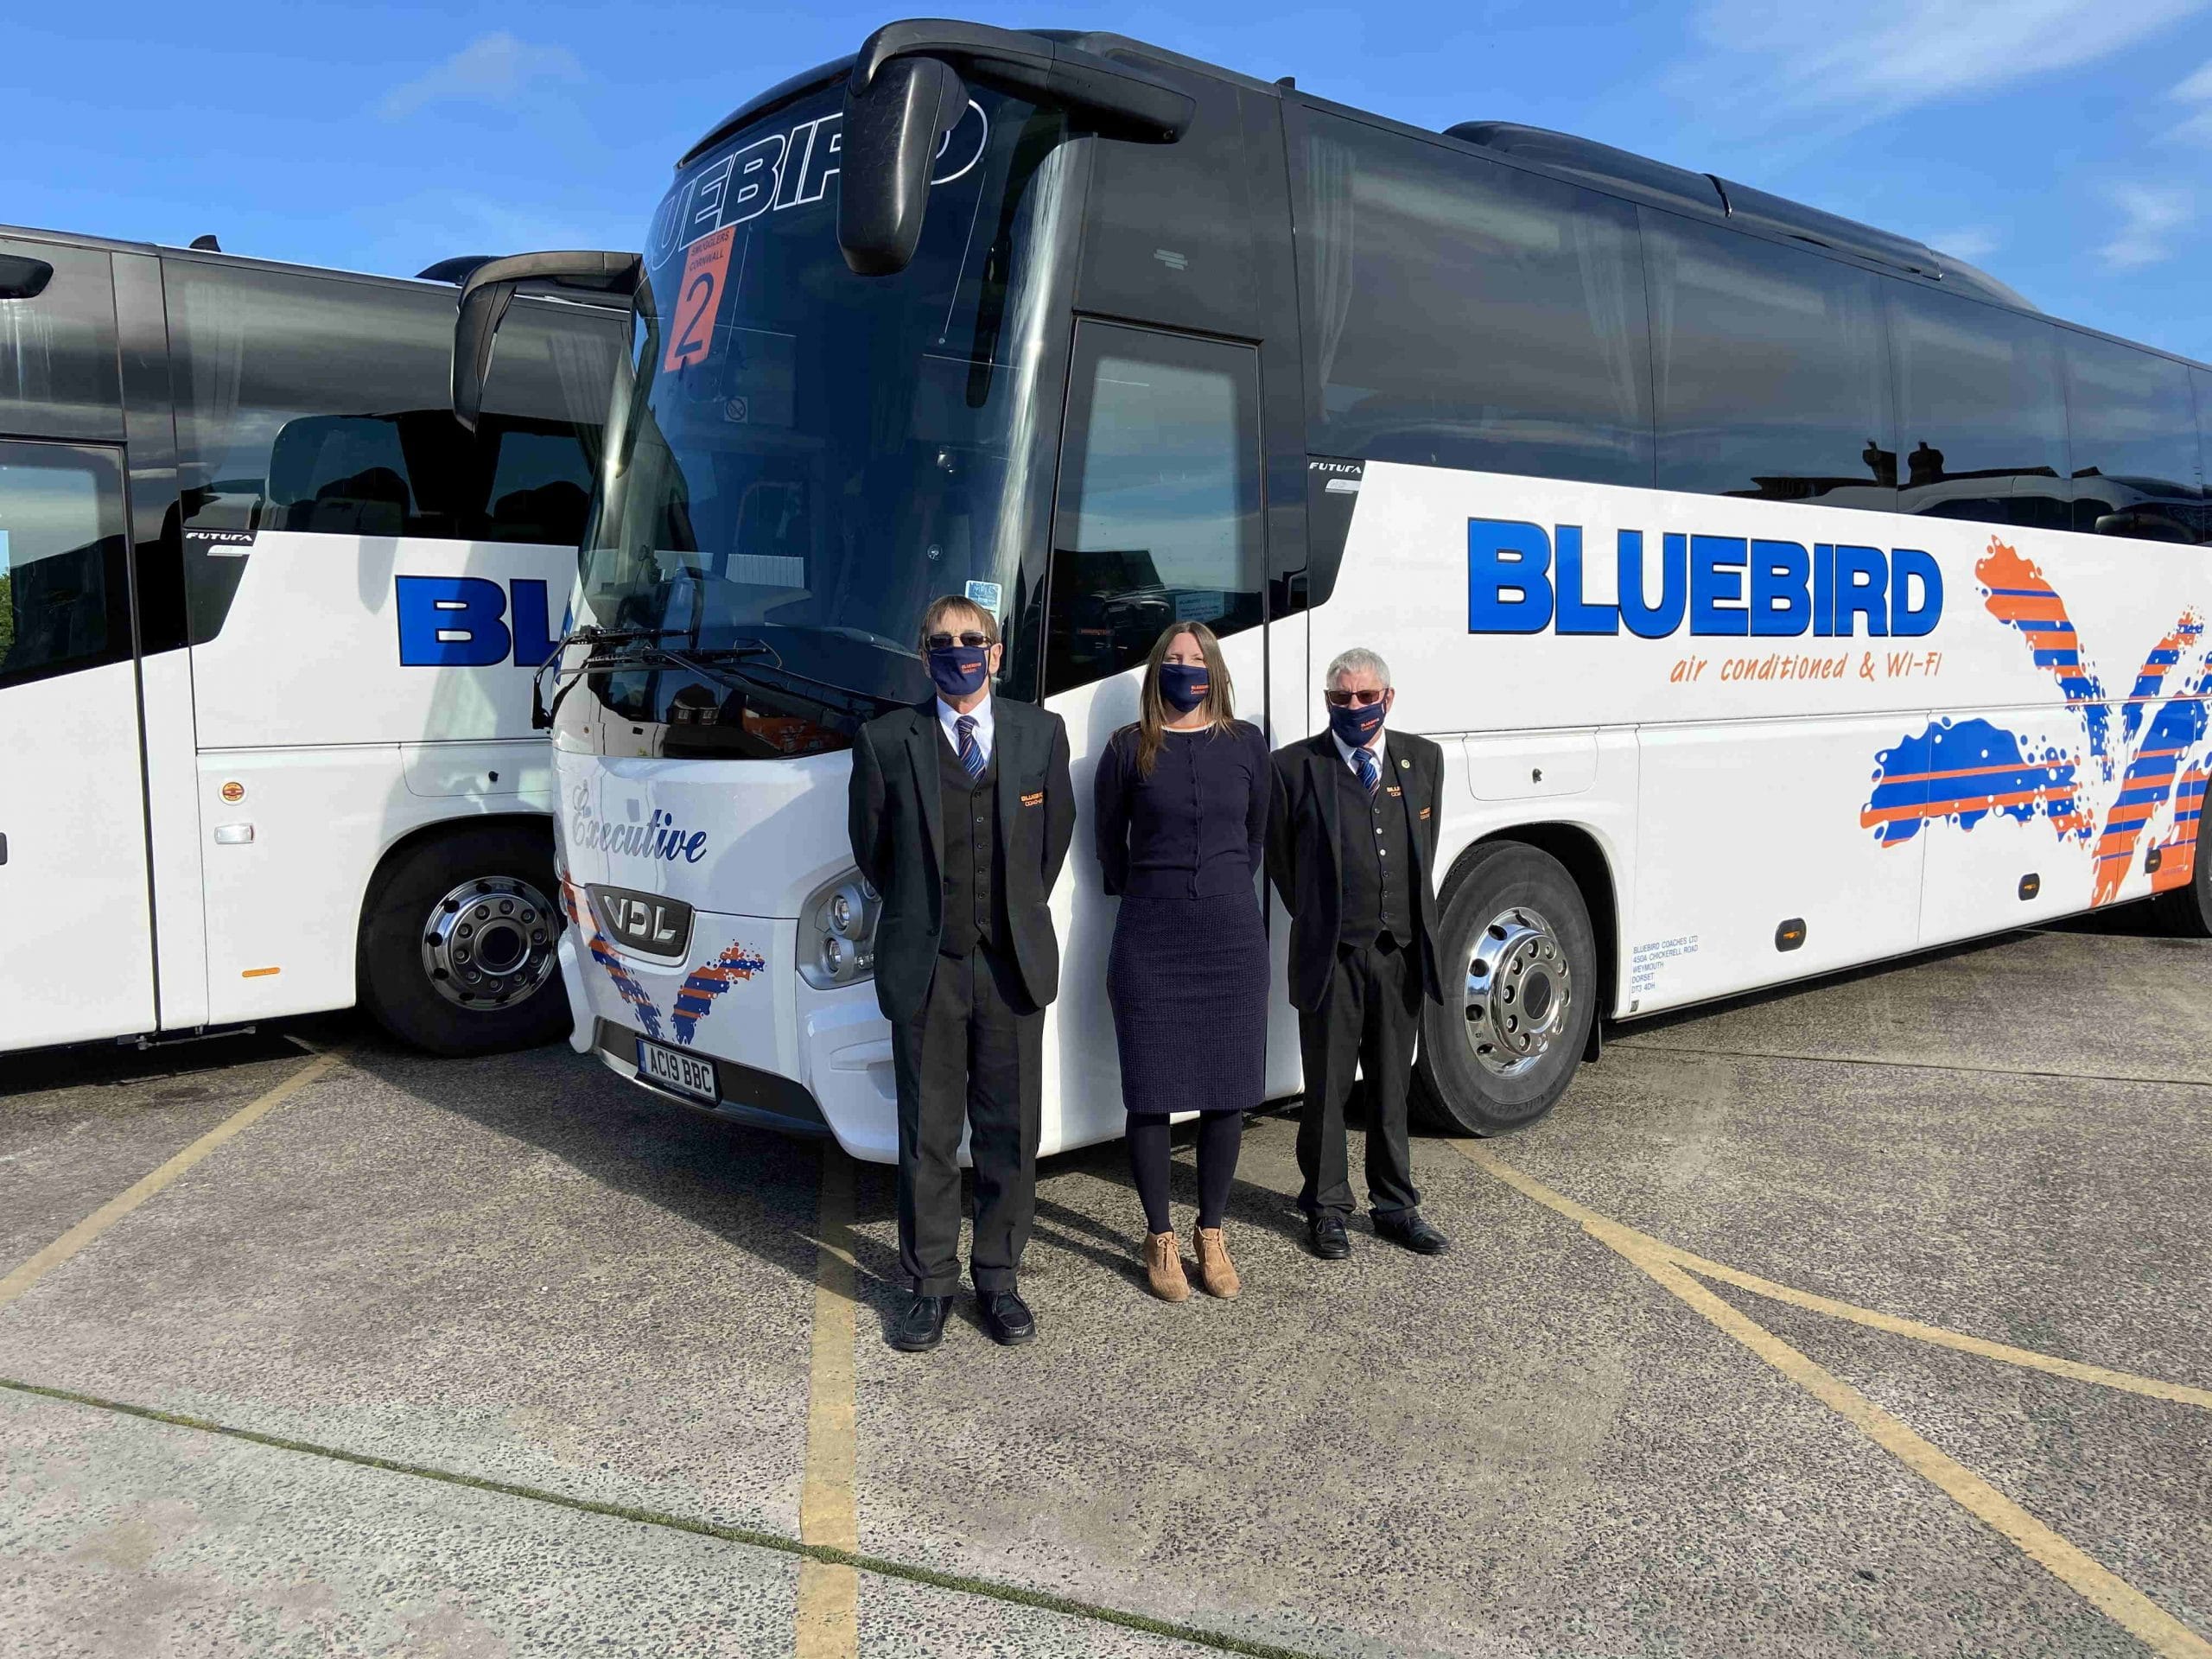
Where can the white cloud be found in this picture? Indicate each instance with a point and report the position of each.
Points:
(2198, 89)
(1848, 57)
(1966, 242)
(2149, 216)
(495, 69)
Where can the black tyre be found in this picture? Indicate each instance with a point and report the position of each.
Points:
(458, 939)
(2186, 911)
(1520, 967)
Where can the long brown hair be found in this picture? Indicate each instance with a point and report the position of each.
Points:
(1220, 705)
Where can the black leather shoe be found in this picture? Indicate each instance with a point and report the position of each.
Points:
(1006, 1317)
(1325, 1235)
(921, 1327)
(1407, 1228)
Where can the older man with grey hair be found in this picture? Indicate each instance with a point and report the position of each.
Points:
(1350, 845)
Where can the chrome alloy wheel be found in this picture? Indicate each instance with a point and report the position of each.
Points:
(489, 943)
(1520, 992)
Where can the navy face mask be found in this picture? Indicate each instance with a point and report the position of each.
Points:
(1355, 725)
(1183, 686)
(959, 671)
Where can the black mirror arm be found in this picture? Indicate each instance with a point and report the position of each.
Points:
(491, 289)
(1113, 99)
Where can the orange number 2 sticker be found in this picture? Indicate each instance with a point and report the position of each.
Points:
(698, 298)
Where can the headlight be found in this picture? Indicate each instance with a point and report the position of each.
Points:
(837, 933)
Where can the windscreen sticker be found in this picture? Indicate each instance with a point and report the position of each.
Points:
(698, 298)
(985, 593)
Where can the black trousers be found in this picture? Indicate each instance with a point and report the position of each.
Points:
(973, 1055)
(1369, 1019)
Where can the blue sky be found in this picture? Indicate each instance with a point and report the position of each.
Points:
(2066, 145)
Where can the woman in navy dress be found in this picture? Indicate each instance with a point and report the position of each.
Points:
(1181, 801)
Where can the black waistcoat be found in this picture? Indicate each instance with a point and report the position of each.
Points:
(1376, 859)
(974, 863)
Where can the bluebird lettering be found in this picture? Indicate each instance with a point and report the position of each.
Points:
(1521, 580)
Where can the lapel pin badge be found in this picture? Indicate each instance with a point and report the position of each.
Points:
(1405, 765)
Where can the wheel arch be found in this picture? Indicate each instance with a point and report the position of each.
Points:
(1587, 863)
(403, 845)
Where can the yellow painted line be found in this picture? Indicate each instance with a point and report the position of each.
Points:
(2102, 1588)
(259, 973)
(2028, 1358)
(158, 1181)
(2128, 1381)
(828, 1591)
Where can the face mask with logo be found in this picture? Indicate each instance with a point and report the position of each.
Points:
(1356, 726)
(1183, 686)
(959, 671)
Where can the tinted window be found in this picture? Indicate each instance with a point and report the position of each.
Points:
(320, 404)
(545, 404)
(63, 603)
(1158, 519)
(1460, 313)
(1984, 411)
(58, 374)
(2133, 425)
(1770, 370)
(2201, 381)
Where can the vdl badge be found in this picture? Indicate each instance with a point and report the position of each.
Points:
(647, 923)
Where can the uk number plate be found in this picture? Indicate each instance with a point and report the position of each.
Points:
(686, 1074)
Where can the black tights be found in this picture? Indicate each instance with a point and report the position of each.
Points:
(1220, 1135)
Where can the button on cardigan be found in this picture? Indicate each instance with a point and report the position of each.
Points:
(1197, 827)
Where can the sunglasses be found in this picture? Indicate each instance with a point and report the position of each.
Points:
(1366, 699)
(972, 640)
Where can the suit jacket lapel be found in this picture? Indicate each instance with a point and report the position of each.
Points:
(922, 739)
(1414, 798)
(1007, 752)
(1323, 784)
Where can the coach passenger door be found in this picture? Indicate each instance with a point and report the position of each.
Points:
(73, 823)
(1157, 520)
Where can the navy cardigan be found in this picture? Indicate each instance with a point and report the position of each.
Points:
(1197, 827)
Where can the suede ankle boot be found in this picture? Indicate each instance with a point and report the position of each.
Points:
(1163, 1267)
(1217, 1272)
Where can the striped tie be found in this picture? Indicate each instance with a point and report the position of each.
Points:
(1369, 774)
(971, 751)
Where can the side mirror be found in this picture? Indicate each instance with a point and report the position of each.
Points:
(889, 140)
(491, 289)
(904, 92)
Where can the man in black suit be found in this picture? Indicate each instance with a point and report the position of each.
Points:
(961, 816)
(1350, 844)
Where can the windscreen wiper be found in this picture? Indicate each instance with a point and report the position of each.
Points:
(633, 648)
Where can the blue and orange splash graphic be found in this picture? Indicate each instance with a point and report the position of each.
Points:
(1964, 771)
(704, 983)
(603, 953)
(694, 1002)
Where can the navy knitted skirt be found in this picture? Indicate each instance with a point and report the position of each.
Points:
(1188, 981)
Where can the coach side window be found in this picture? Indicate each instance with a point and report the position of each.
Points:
(58, 376)
(545, 403)
(1463, 313)
(64, 598)
(317, 404)
(1770, 370)
(1984, 411)
(2132, 422)
(296, 398)
(1158, 517)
